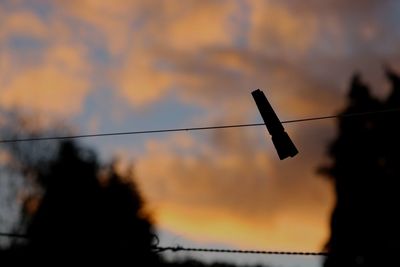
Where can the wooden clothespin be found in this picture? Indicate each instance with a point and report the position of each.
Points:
(281, 140)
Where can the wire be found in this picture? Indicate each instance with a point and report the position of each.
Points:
(266, 252)
(127, 133)
(209, 250)
(191, 128)
(348, 115)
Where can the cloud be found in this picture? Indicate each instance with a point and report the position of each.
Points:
(203, 51)
(5, 157)
(277, 30)
(42, 69)
(101, 23)
(23, 23)
(301, 51)
(194, 25)
(232, 183)
(139, 82)
(205, 65)
(56, 85)
(187, 25)
(289, 231)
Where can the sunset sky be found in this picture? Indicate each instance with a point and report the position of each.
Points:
(112, 66)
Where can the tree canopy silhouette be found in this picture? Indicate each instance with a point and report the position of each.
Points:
(365, 170)
(99, 223)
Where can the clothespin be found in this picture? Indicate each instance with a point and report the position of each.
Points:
(281, 140)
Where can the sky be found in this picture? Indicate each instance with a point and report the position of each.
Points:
(112, 66)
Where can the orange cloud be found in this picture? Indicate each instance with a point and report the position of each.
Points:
(52, 80)
(287, 231)
(192, 46)
(108, 21)
(139, 81)
(5, 157)
(22, 23)
(276, 29)
(159, 45)
(232, 184)
(196, 25)
(284, 51)
(56, 86)
(183, 25)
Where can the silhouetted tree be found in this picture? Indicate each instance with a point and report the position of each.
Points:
(81, 219)
(365, 170)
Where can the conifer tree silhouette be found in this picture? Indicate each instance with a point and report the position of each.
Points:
(365, 171)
